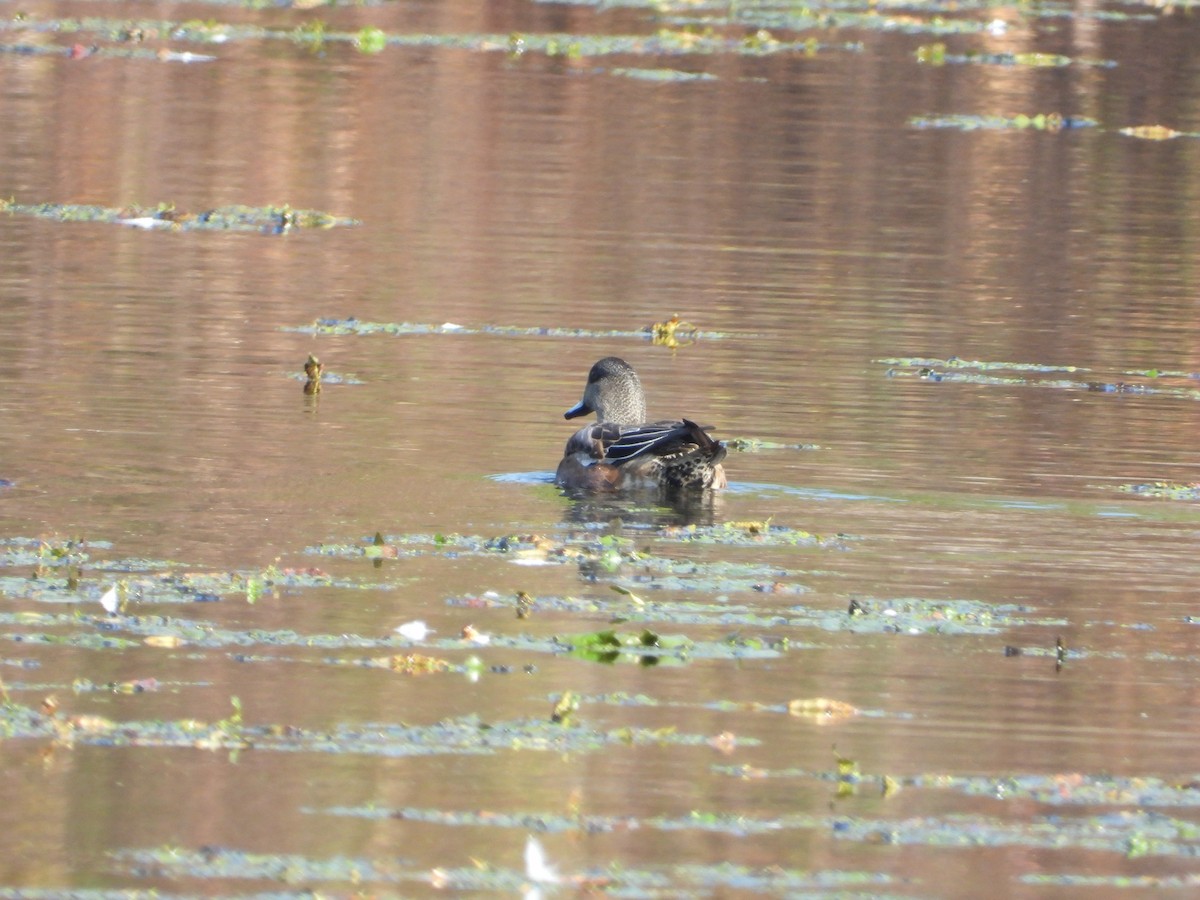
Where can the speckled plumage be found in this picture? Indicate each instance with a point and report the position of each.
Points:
(621, 450)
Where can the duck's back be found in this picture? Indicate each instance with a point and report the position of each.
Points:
(675, 453)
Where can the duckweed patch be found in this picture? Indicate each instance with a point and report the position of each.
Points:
(352, 326)
(286, 868)
(1163, 490)
(646, 626)
(468, 734)
(750, 533)
(583, 546)
(536, 547)
(1051, 122)
(813, 709)
(608, 557)
(645, 584)
(936, 55)
(1075, 789)
(678, 39)
(78, 51)
(495, 876)
(129, 632)
(757, 445)
(610, 646)
(1122, 833)
(47, 552)
(921, 616)
(260, 219)
(954, 362)
(156, 584)
(601, 553)
(900, 16)
(953, 369)
(193, 633)
(865, 616)
(1065, 789)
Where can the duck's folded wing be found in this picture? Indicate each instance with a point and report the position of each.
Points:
(659, 439)
(591, 439)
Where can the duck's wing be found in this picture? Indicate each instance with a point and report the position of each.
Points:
(664, 439)
(592, 439)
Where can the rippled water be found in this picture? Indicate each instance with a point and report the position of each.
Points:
(838, 260)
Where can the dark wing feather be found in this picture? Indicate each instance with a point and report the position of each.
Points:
(659, 439)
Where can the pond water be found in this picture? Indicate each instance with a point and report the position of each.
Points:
(936, 269)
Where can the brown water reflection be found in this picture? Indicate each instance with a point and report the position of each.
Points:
(150, 401)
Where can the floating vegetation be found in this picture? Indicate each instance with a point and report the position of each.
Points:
(903, 15)
(756, 445)
(100, 632)
(644, 631)
(411, 664)
(910, 615)
(684, 39)
(609, 646)
(672, 333)
(600, 556)
(467, 734)
(497, 877)
(1051, 122)
(916, 615)
(370, 40)
(822, 710)
(323, 376)
(819, 710)
(751, 534)
(261, 219)
(936, 55)
(1156, 133)
(1163, 373)
(1163, 490)
(953, 362)
(352, 326)
(284, 868)
(527, 547)
(1136, 831)
(78, 51)
(156, 583)
(661, 76)
(47, 554)
(986, 373)
(565, 706)
(312, 375)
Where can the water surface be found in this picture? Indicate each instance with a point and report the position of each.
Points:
(841, 264)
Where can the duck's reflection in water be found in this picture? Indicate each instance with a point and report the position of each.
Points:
(645, 509)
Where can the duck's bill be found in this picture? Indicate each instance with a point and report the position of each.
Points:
(579, 409)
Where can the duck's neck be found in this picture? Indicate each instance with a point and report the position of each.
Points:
(624, 411)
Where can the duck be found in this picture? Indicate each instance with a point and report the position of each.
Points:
(621, 450)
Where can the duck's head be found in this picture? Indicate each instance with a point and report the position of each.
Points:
(613, 393)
